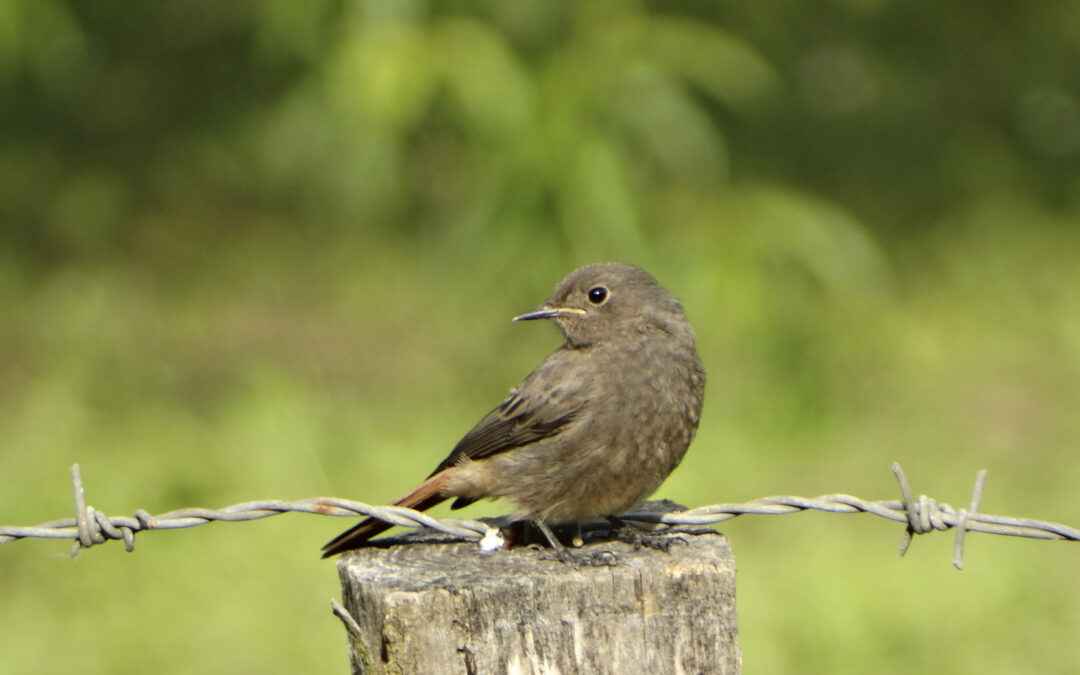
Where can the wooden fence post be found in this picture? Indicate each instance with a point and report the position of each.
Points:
(426, 605)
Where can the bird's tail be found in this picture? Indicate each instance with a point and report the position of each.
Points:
(421, 499)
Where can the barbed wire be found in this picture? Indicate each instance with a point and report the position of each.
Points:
(921, 515)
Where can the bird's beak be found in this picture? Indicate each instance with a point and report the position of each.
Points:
(546, 312)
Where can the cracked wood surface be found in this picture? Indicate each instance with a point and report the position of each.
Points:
(429, 604)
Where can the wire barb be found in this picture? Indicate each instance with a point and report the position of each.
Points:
(924, 514)
(90, 526)
(961, 525)
(352, 626)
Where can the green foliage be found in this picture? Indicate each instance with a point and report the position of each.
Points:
(271, 249)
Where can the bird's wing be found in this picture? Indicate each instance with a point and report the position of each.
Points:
(541, 408)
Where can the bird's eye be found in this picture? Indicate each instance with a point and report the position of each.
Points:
(598, 294)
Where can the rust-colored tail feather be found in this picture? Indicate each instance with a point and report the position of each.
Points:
(426, 495)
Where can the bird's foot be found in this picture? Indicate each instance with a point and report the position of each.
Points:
(627, 533)
(579, 560)
(563, 554)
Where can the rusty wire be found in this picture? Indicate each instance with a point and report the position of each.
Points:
(921, 515)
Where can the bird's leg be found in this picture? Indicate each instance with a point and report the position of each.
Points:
(596, 559)
(625, 532)
(577, 541)
(556, 546)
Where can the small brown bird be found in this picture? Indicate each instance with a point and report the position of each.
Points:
(596, 427)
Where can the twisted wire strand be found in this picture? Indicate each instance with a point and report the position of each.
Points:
(920, 514)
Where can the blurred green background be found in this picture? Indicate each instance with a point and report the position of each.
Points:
(271, 249)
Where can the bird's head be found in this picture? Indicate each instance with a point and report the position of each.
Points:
(601, 301)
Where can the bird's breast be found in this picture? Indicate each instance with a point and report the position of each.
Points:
(650, 397)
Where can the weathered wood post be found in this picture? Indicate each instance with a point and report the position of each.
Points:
(428, 605)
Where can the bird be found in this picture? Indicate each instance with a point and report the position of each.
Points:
(595, 428)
